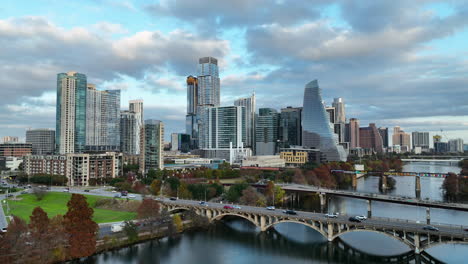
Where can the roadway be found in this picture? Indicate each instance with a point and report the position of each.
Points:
(375, 197)
(374, 222)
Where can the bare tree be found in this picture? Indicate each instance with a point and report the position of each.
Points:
(39, 193)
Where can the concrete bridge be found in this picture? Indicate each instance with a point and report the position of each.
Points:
(410, 233)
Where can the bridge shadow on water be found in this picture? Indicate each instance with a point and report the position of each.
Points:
(301, 242)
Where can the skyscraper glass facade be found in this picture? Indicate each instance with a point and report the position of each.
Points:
(317, 131)
(290, 129)
(208, 82)
(223, 125)
(250, 105)
(266, 131)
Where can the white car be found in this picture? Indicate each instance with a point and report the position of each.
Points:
(236, 207)
(66, 190)
(271, 208)
(361, 217)
(131, 196)
(333, 215)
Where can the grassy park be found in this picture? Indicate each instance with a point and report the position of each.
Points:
(55, 203)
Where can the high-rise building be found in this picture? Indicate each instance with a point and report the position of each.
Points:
(266, 131)
(421, 139)
(129, 132)
(353, 133)
(384, 135)
(208, 82)
(102, 119)
(180, 142)
(331, 114)
(339, 130)
(369, 138)
(223, 126)
(456, 145)
(316, 130)
(42, 141)
(191, 120)
(70, 133)
(340, 115)
(290, 129)
(402, 139)
(249, 104)
(136, 106)
(152, 146)
(10, 139)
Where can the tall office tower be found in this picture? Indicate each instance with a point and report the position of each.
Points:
(70, 133)
(42, 141)
(266, 132)
(152, 146)
(455, 145)
(129, 132)
(224, 125)
(316, 130)
(369, 138)
(339, 130)
(191, 121)
(401, 139)
(421, 139)
(10, 139)
(384, 135)
(331, 114)
(174, 141)
(290, 129)
(339, 105)
(250, 105)
(102, 119)
(354, 133)
(180, 142)
(208, 82)
(136, 106)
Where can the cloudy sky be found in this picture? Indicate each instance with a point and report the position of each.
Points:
(394, 62)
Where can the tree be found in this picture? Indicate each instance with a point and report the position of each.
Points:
(80, 227)
(177, 222)
(39, 236)
(148, 209)
(184, 192)
(235, 191)
(13, 242)
(279, 194)
(450, 186)
(155, 187)
(59, 238)
(270, 192)
(250, 196)
(39, 193)
(130, 229)
(299, 177)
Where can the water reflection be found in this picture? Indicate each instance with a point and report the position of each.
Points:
(223, 244)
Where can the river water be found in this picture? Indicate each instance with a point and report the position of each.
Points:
(237, 241)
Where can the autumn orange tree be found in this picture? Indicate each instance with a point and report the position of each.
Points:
(80, 227)
(148, 209)
(39, 237)
(13, 242)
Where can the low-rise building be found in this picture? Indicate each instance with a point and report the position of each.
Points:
(15, 149)
(297, 156)
(10, 163)
(82, 169)
(269, 161)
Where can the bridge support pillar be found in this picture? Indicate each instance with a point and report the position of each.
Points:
(416, 244)
(417, 186)
(428, 215)
(369, 208)
(330, 232)
(262, 223)
(323, 200)
(208, 214)
(384, 182)
(354, 181)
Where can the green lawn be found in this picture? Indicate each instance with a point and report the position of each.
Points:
(56, 203)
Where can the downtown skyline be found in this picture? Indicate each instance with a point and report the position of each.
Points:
(415, 81)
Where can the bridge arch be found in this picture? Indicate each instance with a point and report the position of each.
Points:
(406, 242)
(221, 216)
(322, 232)
(177, 209)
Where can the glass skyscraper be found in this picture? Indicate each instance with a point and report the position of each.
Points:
(152, 145)
(250, 105)
(266, 131)
(290, 129)
(223, 125)
(70, 133)
(191, 120)
(316, 128)
(208, 82)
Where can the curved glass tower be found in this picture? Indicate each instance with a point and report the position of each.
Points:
(316, 130)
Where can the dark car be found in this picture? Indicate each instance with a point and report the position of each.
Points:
(173, 199)
(430, 228)
(228, 207)
(290, 212)
(86, 190)
(354, 219)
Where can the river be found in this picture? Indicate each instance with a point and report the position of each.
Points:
(237, 241)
